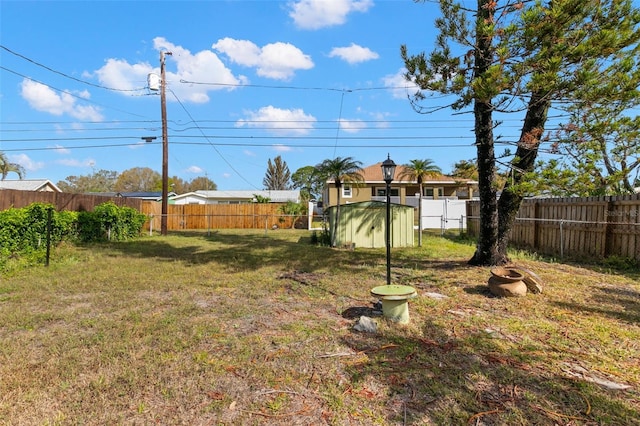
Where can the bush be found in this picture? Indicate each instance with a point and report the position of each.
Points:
(109, 222)
(324, 239)
(23, 232)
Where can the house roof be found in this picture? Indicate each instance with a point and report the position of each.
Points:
(276, 196)
(29, 185)
(373, 174)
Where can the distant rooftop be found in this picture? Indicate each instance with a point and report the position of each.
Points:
(29, 185)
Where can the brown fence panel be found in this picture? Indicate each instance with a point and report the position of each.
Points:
(590, 226)
(217, 216)
(61, 200)
(623, 230)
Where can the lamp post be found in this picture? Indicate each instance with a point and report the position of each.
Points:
(388, 172)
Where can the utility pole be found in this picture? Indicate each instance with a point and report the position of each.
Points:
(165, 148)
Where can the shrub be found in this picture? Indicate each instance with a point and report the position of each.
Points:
(324, 239)
(110, 222)
(23, 232)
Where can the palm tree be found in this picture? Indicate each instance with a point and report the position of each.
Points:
(7, 167)
(340, 170)
(419, 170)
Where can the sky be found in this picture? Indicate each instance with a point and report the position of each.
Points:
(246, 81)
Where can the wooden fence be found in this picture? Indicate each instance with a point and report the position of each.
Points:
(595, 227)
(60, 200)
(218, 216)
(179, 217)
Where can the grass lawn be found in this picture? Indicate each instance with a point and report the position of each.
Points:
(256, 328)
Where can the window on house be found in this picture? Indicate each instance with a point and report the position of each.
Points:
(433, 192)
(347, 191)
(382, 192)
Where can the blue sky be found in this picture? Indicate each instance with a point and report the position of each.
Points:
(247, 81)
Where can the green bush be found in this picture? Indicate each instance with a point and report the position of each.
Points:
(108, 222)
(23, 232)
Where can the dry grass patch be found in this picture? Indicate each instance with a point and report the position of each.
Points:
(243, 327)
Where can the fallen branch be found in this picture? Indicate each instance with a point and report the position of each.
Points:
(565, 416)
(484, 413)
(338, 354)
(276, 416)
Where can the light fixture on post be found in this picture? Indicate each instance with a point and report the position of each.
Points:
(388, 173)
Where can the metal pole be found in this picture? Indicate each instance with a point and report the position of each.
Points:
(165, 148)
(388, 233)
(49, 218)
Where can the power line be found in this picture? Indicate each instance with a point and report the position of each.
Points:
(88, 83)
(66, 92)
(241, 145)
(218, 137)
(214, 147)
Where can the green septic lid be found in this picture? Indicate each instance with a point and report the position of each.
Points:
(393, 290)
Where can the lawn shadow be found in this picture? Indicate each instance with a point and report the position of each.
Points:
(620, 303)
(444, 378)
(250, 251)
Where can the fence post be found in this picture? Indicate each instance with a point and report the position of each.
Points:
(608, 228)
(536, 225)
(561, 240)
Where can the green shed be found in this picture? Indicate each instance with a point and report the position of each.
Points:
(364, 224)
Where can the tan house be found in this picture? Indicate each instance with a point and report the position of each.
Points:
(403, 191)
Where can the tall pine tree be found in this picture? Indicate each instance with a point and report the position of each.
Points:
(515, 56)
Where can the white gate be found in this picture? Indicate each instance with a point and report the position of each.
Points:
(444, 214)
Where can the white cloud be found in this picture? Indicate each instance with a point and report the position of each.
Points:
(26, 162)
(249, 153)
(43, 98)
(279, 121)
(226, 175)
(62, 150)
(381, 119)
(278, 61)
(353, 54)
(72, 162)
(352, 126)
(399, 87)
(281, 148)
(195, 170)
(119, 74)
(202, 67)
(315, 14)
(137, 145)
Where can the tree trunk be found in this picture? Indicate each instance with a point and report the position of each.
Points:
(486, 249)
(524, 162)
(420, 216)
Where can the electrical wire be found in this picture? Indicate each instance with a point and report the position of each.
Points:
(88, 83)
(214, 146)
(66, 92)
